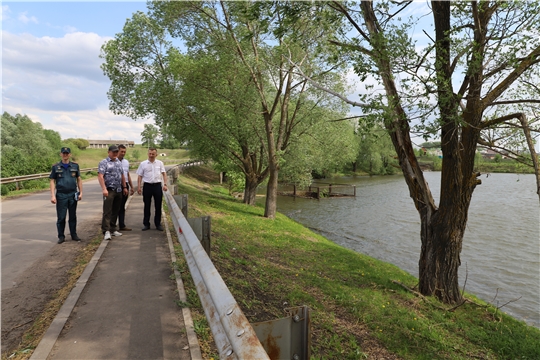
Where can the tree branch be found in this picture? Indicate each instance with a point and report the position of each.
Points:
(320, 87)
(528, 61)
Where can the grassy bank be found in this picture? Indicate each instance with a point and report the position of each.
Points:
(90, 158)
(434, 163)
(359, 309)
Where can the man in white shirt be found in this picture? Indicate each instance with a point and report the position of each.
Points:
(129, 184)
(150, 172)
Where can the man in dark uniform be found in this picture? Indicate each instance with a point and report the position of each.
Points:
(66, 180)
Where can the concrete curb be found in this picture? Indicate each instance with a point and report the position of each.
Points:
(193, 342)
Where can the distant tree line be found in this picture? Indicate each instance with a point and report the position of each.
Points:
(27, 148)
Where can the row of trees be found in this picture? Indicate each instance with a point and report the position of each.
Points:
(27, 148)
(260, 87)
(151, 136)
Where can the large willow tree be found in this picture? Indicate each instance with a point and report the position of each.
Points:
(475, 83)
(232, 82)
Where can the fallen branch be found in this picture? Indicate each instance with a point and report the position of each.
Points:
(409, 289)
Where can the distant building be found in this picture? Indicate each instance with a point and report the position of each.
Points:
(104, 144)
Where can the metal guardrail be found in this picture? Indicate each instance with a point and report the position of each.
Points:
(233, 335)
(15, 179)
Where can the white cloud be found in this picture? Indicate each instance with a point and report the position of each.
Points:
(69, 29)
(5, 12)
(98, 124)
(25, 19)
(58, 82)
(75, 54)
(53, 73)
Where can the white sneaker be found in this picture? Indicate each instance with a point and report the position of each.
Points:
(107, 235)
(116, 233)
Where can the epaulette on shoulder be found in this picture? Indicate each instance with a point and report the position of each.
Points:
(74, 163)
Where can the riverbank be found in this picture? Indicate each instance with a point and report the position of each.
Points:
(359, 309)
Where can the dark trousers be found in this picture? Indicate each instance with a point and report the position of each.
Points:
(122, 211)
(66, 203)
(111, 206)
(152, 191)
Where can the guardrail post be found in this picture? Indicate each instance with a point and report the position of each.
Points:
(182, 202)
(201, 227)
(289, 337)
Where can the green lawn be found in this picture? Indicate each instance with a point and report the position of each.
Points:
(90, 158)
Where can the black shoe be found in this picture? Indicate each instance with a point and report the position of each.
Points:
(76, 238)
(159, 228)
(61, 240)
(145, 228)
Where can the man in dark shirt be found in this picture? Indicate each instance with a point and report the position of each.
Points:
(66, 191)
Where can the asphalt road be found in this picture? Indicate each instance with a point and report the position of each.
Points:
(29, 227)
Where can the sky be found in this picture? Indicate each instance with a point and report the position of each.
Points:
(51, 66)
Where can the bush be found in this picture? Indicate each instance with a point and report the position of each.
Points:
(35, 184)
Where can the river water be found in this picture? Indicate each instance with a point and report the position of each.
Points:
(501, 247)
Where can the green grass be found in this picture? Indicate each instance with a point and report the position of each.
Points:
(356, 307)
(90, 158)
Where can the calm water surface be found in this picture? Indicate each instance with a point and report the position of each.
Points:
(501, 247)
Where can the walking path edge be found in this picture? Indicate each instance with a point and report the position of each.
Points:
(50, 337)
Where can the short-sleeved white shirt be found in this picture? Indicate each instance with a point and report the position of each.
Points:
(125, 167)
(151, 172)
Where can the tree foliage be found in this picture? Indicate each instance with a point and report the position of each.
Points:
(27, 148)
(376, 154)
(80, 143)
(149, 135)
(234, 97)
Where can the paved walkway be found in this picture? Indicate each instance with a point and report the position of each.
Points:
(124, 306)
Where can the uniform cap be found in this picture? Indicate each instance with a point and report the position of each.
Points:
(113, 148)
(65, 150)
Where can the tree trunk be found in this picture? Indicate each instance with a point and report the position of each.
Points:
(271, 194)
(441, 237)
(273, 169)
(250, 191)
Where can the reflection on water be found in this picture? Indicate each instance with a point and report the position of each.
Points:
(501, 247)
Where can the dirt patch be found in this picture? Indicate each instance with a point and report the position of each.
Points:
(202, 173)
(38, 285)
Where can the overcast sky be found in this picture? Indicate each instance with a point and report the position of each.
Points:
(51, 66)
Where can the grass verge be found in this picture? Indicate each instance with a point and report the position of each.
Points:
(359, 309)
